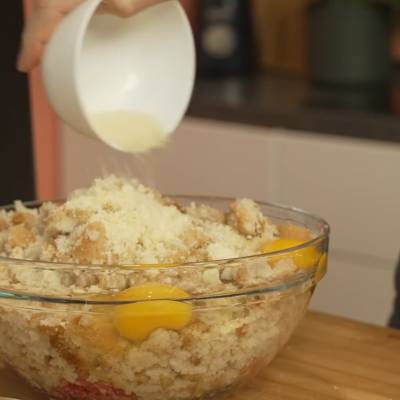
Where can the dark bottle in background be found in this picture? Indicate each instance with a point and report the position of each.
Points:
(349, 42)
(224, 38)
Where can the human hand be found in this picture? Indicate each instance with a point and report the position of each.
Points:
(48, 14)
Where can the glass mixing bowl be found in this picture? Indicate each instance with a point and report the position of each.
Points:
(157, 332)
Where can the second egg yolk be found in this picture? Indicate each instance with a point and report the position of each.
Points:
(137, 321)
(303, 258)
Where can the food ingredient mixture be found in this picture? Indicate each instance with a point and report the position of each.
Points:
(151, 323)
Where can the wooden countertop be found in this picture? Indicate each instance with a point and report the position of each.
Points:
(331, 358)
(328, 358)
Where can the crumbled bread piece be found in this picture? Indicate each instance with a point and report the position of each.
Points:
(113, 281)
(4, 217)
(292, 231)
(49, 251)
(170, 202)
(246, 217)
(20, 236)
(19, 206)
(24, 218)
(86, 279)
(91, 246)
(3, 224)
(218, 251)
(46, 209)
(205, 213)
(194, 239)
(211, 276)
(63, 220)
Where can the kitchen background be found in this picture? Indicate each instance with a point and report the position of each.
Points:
(296, 101)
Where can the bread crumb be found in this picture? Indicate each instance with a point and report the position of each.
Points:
(3, 224)
(246, 217)
(90, 248)
(120, 221)
(20, 236)
(205, 213)
(211, 276)
(24, 218)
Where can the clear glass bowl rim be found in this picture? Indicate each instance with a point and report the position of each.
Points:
(294, 281)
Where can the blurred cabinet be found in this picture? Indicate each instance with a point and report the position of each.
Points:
(356, 287)
(353, 184)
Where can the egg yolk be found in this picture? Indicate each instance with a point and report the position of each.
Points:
(303, 258)
(138, 320)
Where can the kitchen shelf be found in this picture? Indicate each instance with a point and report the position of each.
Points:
(276, 101)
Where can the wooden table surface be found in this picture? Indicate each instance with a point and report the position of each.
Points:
(328, 358)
